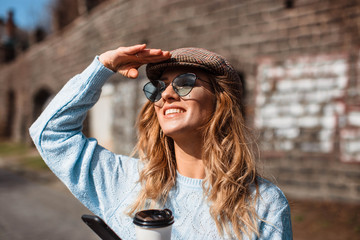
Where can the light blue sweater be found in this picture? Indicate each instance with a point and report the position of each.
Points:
(107, 184)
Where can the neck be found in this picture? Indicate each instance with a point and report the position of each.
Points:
(188, 158)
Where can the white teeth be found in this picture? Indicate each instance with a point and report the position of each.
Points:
(173, 110)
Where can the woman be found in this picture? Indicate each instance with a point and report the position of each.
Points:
(195, 157)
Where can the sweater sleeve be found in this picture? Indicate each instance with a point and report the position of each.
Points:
(274, 212)
(92, 173)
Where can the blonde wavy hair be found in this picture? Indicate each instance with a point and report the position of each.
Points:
(227, 155)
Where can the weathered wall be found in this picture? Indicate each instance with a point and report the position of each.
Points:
(301, 68)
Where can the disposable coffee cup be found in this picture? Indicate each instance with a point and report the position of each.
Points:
(153, 224)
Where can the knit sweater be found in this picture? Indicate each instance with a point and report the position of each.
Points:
(107, 183)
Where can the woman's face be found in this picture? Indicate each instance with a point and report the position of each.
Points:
(183, 116)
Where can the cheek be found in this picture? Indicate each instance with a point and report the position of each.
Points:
(209, 102)
(206, 107)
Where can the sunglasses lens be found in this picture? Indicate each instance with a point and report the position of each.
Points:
(184, 83)
(153, 92)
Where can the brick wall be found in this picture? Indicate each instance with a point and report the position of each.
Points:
(301, 67)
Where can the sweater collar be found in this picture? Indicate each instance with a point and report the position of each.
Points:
(191, 182)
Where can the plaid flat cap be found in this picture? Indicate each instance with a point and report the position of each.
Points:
(193, 57)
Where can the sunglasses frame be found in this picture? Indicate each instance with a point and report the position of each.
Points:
(163, 87)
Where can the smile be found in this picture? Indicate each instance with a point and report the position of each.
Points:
(173, 110)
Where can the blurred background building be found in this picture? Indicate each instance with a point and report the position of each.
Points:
(299, 61)
(12, 39)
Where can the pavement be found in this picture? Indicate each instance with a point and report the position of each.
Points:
(35, 205)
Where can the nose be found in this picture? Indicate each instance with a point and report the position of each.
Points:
(169, 94)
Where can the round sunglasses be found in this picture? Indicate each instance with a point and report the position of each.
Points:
(182, 85)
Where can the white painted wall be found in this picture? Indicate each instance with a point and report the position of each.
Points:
(102, 117)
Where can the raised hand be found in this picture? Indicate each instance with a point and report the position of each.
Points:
(127, 60)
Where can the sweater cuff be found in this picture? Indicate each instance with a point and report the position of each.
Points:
(98, 73)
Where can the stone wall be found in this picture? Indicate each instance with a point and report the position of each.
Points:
(301, 67)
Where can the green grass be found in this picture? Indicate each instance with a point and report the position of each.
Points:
(22, 155)
(34, 162)
(9, 149)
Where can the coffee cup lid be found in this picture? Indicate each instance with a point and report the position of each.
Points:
(153, 218)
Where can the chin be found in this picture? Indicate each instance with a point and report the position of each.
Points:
(172, 132)
(180, 133)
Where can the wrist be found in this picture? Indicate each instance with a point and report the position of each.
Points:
(106, 64)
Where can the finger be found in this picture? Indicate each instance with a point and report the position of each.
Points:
(150, 58)
(153, 52)
(133, 49)
(130, 70)
(129, 73)
(133, 73)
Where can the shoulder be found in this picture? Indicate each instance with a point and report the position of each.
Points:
(273, 209)
(269, 193)
(270, 200)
